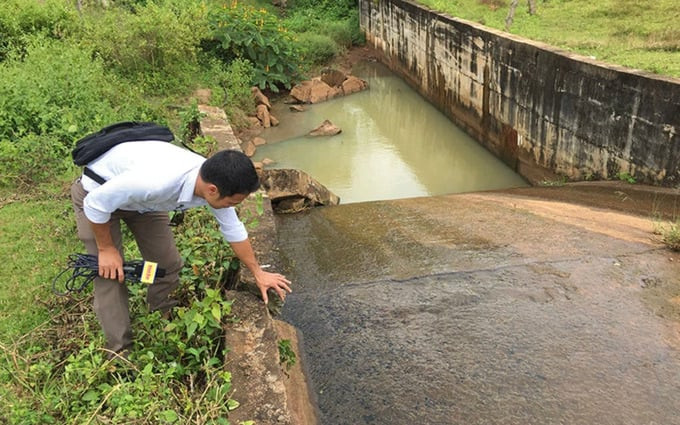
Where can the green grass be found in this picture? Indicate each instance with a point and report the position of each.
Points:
(35, 238)
(642, 35)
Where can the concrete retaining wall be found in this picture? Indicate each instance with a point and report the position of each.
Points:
(545, 112)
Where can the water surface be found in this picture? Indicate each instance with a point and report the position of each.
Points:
(393, 145)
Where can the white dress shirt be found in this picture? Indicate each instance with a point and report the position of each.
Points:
(151, 176)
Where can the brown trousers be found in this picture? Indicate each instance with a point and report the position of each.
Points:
(156, 243)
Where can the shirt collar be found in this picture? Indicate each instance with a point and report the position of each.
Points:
(186, 193)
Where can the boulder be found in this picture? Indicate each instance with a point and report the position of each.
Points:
(259, 141)
(326, 128)
(322, 92)
(301, 91)
(254, 122)
(333, 77)
(353, 84)
(260, 99)
(296, 108)
(273, 120)
(248, 148)
(267, 161)
(263, 116)
(314, 91)
(292, 190)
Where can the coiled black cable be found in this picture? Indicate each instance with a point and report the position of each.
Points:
(85, 267)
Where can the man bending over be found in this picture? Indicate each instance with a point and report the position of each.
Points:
(142, 181)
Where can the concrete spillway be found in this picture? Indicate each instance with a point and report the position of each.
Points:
(488, 308)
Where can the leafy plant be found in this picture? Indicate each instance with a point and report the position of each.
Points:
(154, 45)
(236, 83)
(287, 356)
(209, 260)
(20, 21)
(317, 48)
(671, 235)
(625, 177)
(191, 118)
(242, 31)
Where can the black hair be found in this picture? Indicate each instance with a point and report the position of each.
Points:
(232, 172)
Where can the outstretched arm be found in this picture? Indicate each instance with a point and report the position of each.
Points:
(264, 280)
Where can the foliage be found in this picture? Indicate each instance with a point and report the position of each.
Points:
(324, 33)
(317, 48)
(242, 31)
(191, 117)
(57, 89)
(56, 373)
(174, 373)
(671, 235)
(56, 93)
(21, 20)
(641, 35)
(31, 159)
(625, 177)
(332, 9)
(208, 259)
(287, 356)
(154, 46)
(236, 83)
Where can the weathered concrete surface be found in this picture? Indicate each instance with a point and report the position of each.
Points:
(526, 306)
(214, 124)
(267, 393)
(543, 111)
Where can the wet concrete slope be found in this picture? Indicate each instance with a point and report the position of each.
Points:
(486, 308)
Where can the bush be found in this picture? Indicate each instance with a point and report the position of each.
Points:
(155, 46)
(32, 159)
(51, 98)
(238, 98)
(317, 48)
(19, 20)
(318, 26)
(671, 236)
(244, 32)
(331, 9)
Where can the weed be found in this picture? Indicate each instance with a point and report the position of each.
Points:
(287, 356)
(671, 235)
(625, 177)
(191, 118)
(561, 181)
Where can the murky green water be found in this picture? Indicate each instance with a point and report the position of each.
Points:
(393, 145)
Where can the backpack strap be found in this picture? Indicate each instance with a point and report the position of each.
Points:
(94, 176)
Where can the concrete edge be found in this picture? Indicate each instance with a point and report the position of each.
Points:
(267, 391)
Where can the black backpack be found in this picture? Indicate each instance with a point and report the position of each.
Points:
(96, 144)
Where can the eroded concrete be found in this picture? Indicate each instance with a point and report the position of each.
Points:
(521, 306)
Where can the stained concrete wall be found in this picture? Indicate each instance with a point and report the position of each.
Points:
(544, 111)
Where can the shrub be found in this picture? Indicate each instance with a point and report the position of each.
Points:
(331, 9)
(671, 236)
(32, 159)
(236, 82)
(21, 19)
(50, 98)
(317, 48)
(241, 31)
(154, 45)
